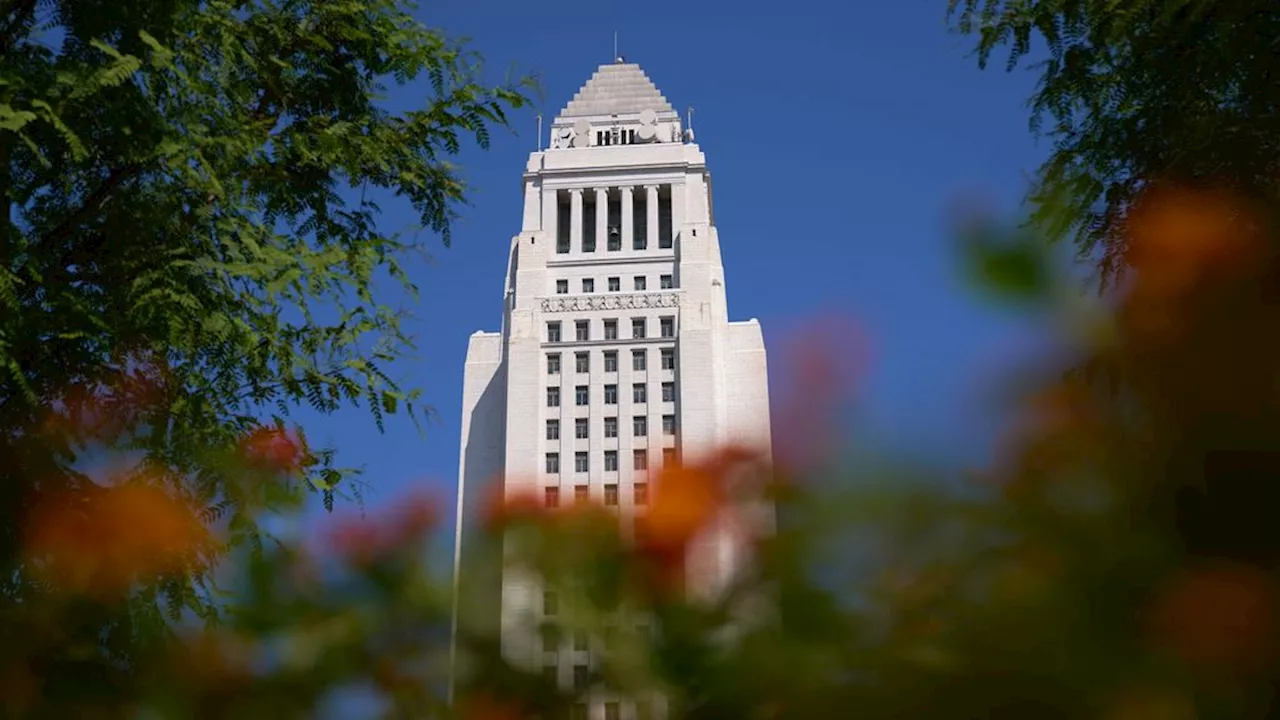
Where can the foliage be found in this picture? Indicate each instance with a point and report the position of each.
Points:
(188, 248)
(1116, 560)
(1138, 93)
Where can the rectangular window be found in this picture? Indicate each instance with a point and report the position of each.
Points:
(639, 460)
(551, 497)
(562, 287)
(641, 491)
(581, 681)
(637, 327)
(553, 463)
(550, 603)
(612, 711)
(640, 426)
(580, 428)
(668, 457)
(581, 493)
(666, 282)
(582, 330)
(665, 222)
(562, 241)
(640, 283)
(615, 284)
(611, 491)
(580, 395)
(611, 361)
(640, 222)
(667, 327)
(579, 709)
(553, 364)
(610, 394)
(580, 463)
(611, 427)
(610, 465)
(638, 360)
(588, 285)
(582, 362)
(668, 424)
(553, 332)
(553, 397)
(550, 641)
(639, 393)
(589, 227)
(610, 329)
(668, 358)
(668, 392)
(553, 429)
(581, 643)
(551, 675)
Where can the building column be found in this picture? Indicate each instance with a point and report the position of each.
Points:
(602, 218)
(651, 211)
(575, 220)
(628, 216)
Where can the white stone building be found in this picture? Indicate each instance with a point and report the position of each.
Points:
(616, 354)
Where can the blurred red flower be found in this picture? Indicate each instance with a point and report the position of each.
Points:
(1219, 617)
(362, 541)
(273, 450)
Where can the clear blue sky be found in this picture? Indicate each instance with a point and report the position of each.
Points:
(839, 136)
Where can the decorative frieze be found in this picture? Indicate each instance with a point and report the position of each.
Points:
(611, 301)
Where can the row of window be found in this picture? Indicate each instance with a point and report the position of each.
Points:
(639, 361)
(614, 284)
(612, 709)
(639, 427)
(639, 329)
(582, 493)
(613, 222)
(581, 683)
(639, 458)
(582, 398)
(639, 241)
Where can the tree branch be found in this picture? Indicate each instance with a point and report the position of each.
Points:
(92, 203)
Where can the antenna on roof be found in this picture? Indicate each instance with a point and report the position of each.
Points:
(539, 132)
(616, 57)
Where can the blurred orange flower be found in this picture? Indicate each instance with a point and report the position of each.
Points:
(19, 687)
(1151, 704)
(1219, 617)
(212, 658)
(484, 707)
(685, 500)
(1179, 241)
(502, 506)
(1175, 236)
(101, 543)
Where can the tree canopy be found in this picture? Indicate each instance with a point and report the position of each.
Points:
(188, 249)
(1139, 92)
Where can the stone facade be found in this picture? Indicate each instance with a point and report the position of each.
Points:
(616, 353)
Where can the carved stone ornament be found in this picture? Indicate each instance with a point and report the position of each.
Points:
(626, 301)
